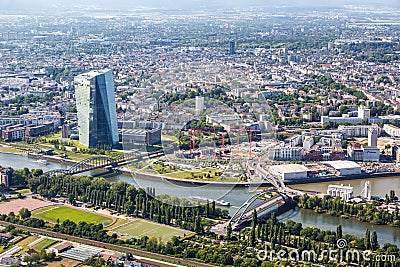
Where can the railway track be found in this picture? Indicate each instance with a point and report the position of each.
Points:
(124, 249)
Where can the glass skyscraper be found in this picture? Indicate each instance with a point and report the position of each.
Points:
(95, 103)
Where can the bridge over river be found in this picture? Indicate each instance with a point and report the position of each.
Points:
(103, 162)
(264, 203)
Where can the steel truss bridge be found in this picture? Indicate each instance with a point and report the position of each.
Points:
(103, 162)
(263, 206)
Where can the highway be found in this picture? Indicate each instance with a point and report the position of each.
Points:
(134, 251)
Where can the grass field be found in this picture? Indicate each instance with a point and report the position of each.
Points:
(139, 228)
(7, 149)
(117, 223)
(24, 191)
(44, 244)
(26, 241)
(51, 214)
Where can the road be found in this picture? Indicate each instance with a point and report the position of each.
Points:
(134, 251)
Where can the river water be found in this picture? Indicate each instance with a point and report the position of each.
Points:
(237, 196)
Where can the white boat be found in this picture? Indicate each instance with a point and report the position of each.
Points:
(209, 200)
(42, 161)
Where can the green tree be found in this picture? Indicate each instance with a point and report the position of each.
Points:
(367, 239)
(374, 241)
(24, 213)
(229, 231)
(339, 232)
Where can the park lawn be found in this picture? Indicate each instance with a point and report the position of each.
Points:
(44, 244)
(7, 149)
(163, 169)
(76, 156)
(139, 228)
(186, 175)
(224, 179)
(212, 173)
(63, 213)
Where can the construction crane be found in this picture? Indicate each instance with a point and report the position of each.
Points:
(193, 138)
(223, 144)
(251, 138)
(223, 139)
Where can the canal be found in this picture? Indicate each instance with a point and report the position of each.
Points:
(237, 196)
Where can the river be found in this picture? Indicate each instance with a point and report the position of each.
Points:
(237, 196)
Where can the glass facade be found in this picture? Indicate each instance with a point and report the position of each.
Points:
(95, 103)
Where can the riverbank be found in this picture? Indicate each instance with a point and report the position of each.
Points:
(191, 182)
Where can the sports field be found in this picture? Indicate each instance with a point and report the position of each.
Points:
(16, 205)
(51, 214)
(139, 228)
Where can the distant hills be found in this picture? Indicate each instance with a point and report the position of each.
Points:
(59, 6)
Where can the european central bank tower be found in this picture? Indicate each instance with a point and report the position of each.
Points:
(95, 103)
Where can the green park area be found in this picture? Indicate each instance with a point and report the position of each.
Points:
(139, 228)
(207, 174)
(62, 213)
(70, 149)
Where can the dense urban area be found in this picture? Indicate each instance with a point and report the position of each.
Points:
(162, 137)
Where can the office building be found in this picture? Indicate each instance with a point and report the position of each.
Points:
(140, 137)
(65, 131)
(391, 130)
(199, 104)
(232, 47)
(308, 142)
(4, 178)
(285, 153)
(95, 103)
(351, 131)
(364, 115)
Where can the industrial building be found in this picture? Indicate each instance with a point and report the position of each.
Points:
(140, 137)
(370, 153)
(344, 167)
(289, 171)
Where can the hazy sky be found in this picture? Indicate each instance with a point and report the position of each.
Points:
(58, 5)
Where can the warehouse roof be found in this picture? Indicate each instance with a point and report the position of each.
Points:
(289, 168)
(343, 164)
